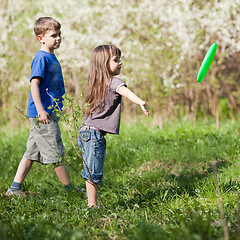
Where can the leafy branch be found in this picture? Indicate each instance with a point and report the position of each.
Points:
(71, 114)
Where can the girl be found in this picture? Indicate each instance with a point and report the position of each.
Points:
(104, 94)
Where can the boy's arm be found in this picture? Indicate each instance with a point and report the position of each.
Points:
(124, 91)
(43, 115)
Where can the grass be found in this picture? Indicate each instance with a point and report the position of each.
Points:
(158, 184)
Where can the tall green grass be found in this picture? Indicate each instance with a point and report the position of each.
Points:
(158, 184)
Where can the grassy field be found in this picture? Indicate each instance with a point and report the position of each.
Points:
(158, 184)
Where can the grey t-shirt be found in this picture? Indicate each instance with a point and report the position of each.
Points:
(107, 118)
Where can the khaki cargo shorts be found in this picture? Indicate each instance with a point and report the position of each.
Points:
(44, 143)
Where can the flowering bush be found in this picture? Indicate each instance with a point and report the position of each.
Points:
(163, 42)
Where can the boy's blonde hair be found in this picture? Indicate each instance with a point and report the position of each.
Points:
(44, 24)
(99, 76)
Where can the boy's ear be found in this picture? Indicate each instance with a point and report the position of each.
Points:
(40, 38)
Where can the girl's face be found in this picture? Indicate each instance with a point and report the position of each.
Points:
(115, 65)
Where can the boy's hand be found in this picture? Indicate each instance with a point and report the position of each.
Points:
(144, 108)
(44, 117)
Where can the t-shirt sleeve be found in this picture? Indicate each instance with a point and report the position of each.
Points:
(116, 83)
(38, 67)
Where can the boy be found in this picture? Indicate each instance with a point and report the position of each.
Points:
(44, 144)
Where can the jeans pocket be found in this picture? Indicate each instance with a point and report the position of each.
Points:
(84, 134)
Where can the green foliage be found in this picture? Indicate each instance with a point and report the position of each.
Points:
(163, 44)
(157, 185)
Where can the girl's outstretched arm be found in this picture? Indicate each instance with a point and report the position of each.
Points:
(124, 91)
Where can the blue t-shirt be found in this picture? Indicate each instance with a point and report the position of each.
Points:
(46, 66)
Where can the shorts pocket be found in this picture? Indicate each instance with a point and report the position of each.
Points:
(39, 128)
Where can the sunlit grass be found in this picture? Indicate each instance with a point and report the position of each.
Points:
(158, 184)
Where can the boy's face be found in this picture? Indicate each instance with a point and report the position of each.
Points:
(115, 65)
(50, 41)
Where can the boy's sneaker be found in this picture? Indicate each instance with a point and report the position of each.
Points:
(11, 192)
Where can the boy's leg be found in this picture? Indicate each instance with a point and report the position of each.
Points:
(91, 193)
(23, 169)
(61, 171)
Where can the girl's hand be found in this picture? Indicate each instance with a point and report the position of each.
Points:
(144, 108)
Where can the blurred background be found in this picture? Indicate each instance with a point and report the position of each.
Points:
(163, 44)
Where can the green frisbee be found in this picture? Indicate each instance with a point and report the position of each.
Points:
(206, 62)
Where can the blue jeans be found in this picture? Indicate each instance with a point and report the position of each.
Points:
(92, 144)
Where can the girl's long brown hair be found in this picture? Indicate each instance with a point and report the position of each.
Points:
(99, 76)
